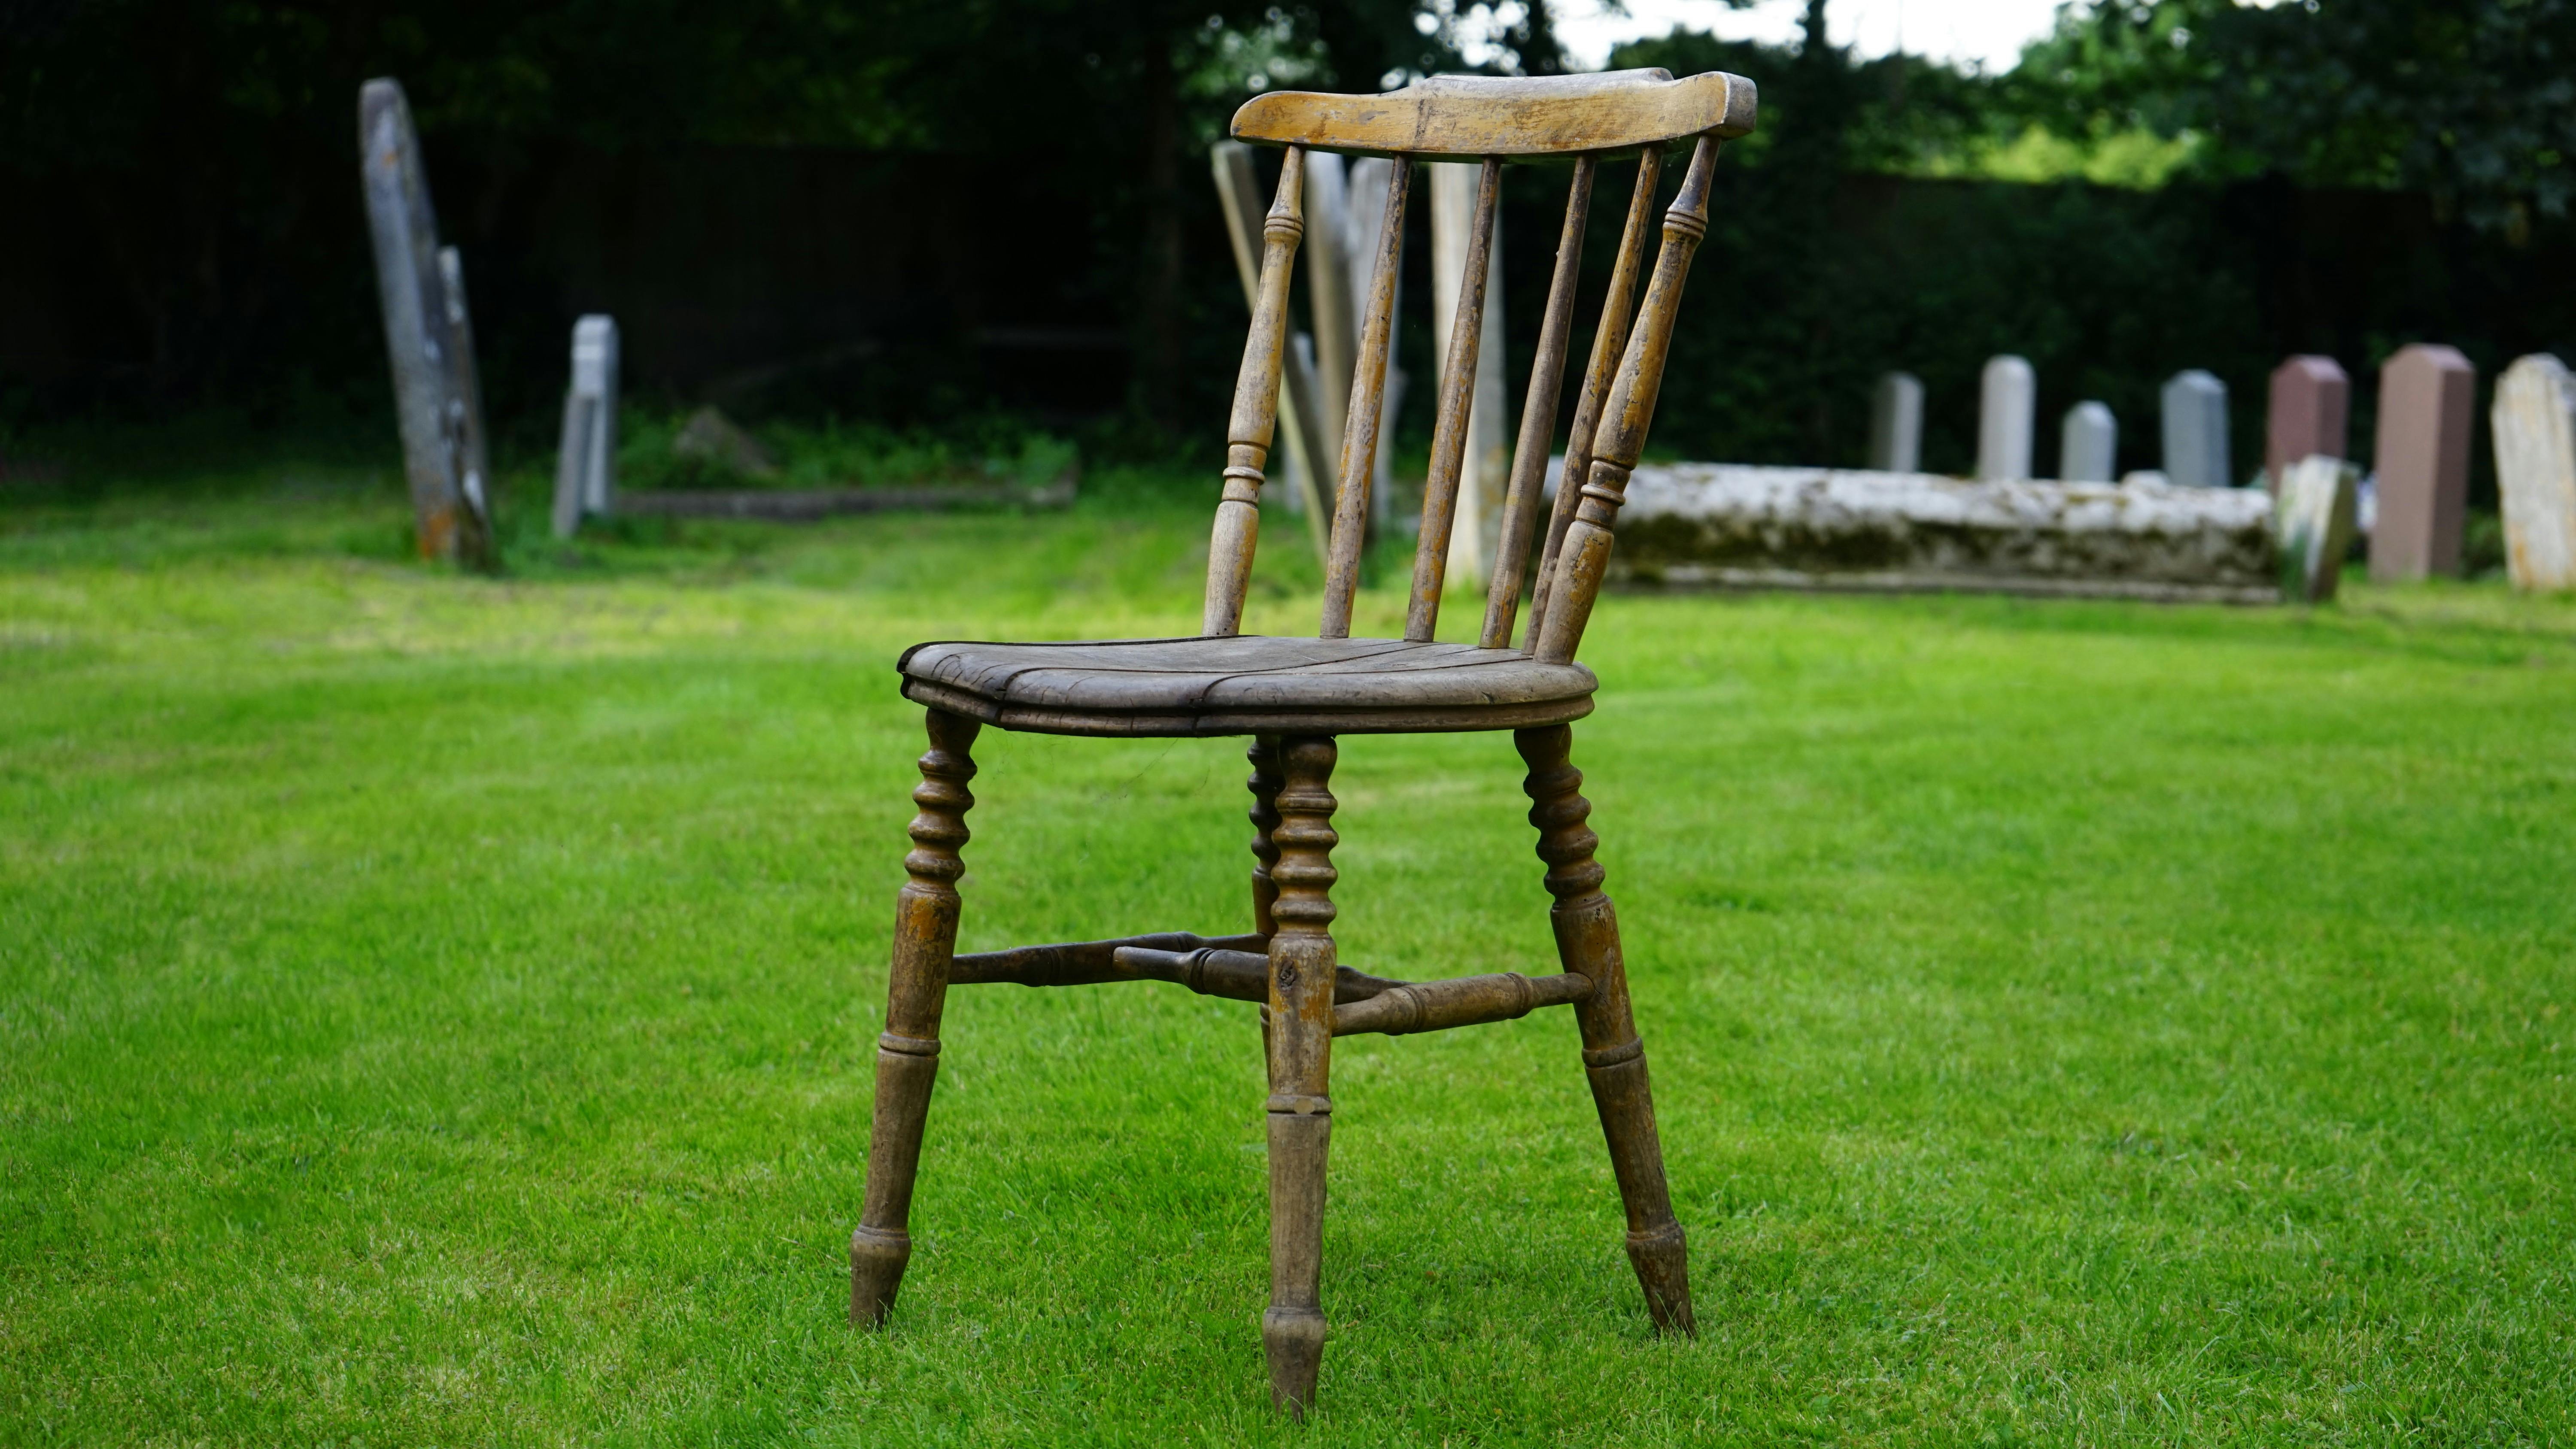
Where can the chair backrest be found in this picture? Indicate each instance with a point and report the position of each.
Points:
(1490, 120)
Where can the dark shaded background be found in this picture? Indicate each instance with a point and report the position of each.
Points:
(1010, 211)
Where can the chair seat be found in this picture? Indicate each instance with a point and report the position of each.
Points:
(1244, 685)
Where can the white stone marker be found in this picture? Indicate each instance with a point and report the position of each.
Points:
(2088, 443)
(586, 465)
(1476, 529)
(2007, 403)
(429, 342)
(2315, 513)
(2195, 409)
(2534, 417)
(1896, 424)
(1367, 215)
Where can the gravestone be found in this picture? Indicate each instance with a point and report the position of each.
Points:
(428, 338)
(1299, 457)
(2088, 444)
(2195, 427)
(1477, 527)
(2311, 399)
(2535, 449)
(2315, 501)
(1369, 177)
(2427, 404)
(1896, 423)
(2007, 403)
(586, 466)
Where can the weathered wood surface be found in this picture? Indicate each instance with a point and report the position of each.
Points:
(2534, 417)
(1584, 557)
(1450, 465)
(1614, 1055)
(1817, 528)
(1473, 116)
(1485, 458)
(1300, 1104)
(1309, 422)
(1368, 411)
(1294, 695)
(1609, 344)
(1248, 684)
(1538, 417)
(1256, 407)
(925, 937)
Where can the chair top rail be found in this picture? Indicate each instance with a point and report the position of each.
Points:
(1467, 117)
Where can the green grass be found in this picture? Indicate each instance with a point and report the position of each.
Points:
(438, 1011)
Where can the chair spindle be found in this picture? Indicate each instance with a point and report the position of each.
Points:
(1585, 554)
(1609, 339)
(1368, 394)
(1538, 416)
(1449, 430)
(1256, 408)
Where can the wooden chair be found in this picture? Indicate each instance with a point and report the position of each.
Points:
(1294, 696)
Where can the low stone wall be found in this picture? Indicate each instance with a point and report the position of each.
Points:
(1814, 528)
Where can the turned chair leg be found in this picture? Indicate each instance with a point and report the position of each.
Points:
(1614, 1057)
(925, 936)
(1300, 1057)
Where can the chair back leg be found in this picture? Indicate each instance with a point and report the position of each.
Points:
(925, 937)
(1300, 1108)
(1614, 1057)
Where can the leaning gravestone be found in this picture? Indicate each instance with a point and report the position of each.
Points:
(2427, 405)
(2088, 443)
(586, 469)
(2311, 399)
(2535, 448)
(2314, 508)
(2195, 426)
(2007, 401)
(428, 338)
(1896, 423)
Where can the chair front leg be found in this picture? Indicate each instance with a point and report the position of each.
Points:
(925, 937)
(1300, 1108)
(1614, 1057)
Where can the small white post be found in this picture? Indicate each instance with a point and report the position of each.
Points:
(2535, 449)
(2007, 403)
(1896, 424)
(2088, 443)
(2195, 409)
(586, 468)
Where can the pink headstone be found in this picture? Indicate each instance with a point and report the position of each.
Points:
(2311, 401)
(2427, 405)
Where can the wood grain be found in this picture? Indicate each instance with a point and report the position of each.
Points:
(1300, 1106)
(1609, 340)
(925, 937)
(1538, 416)
(1470, 116)
(1614, 1057)
(1256, 407)
(1449, 430)
(1585, 554)
(1367, 411)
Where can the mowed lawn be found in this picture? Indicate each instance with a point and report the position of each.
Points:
(440, 1011)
